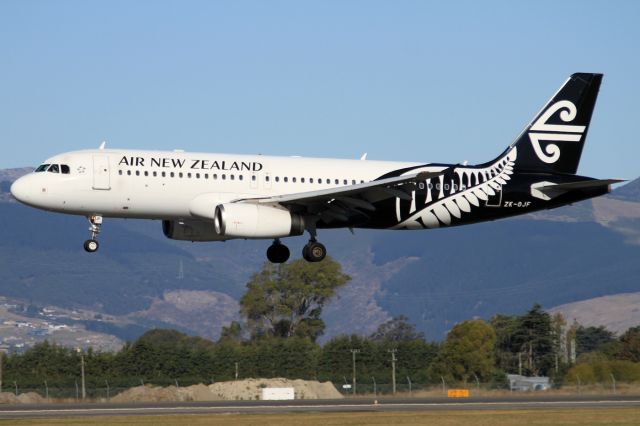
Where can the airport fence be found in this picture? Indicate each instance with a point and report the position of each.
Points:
(103, 389)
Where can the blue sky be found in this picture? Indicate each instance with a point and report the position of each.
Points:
(401, 80)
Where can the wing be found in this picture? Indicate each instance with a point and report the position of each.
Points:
(342, 203)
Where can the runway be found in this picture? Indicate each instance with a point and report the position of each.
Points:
(384, 404)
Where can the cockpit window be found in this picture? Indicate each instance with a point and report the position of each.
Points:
(42, 168)
(54, 169)
(64, 169)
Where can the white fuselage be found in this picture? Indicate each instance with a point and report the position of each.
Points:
(164, 184)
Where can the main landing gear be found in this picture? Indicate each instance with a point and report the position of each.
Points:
(313, 251)
(91, 245)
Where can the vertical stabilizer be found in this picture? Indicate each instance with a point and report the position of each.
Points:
(554, 139)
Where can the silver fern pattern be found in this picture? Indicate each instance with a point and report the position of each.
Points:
(466, 190)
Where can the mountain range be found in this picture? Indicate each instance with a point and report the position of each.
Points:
(139, 279)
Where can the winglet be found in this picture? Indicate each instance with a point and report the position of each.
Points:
(364, 156)
(102, 145)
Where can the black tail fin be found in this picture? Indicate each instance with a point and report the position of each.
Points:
(553, 141)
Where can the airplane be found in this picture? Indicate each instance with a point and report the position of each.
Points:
(218, 197)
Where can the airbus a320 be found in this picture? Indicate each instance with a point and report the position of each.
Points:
(218, 197)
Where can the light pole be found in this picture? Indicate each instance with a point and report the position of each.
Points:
(84, 391)
(393, 368)
(353, 357)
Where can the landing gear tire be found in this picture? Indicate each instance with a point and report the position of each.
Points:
(278, 253)
(91, 246)
(314, 251)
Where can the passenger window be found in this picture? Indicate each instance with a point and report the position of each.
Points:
(164, 174)
(240, 177)
(328, 180)
(302, 180)
(189, 175)
(155, 174)
(64, 169)
(120, 172)
(54, 169)
(266, 178)
(146, 173)
(286, 179)
(253, 177)
(293, 180)
(232, 177)
(353, 182)
(337, 181)
(180, 175)
(310, 180)
(345, 182)
(277, 178)
(172, 174)
(137, 172)
(128, 172)
(215, 176)
(224, 176)
(206, 175)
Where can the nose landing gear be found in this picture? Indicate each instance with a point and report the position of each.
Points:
(92, 245)
(278, 252)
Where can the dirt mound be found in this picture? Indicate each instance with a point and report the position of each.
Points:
(8, 398)
(252, 388)
(248, 389)
(30, 398)
(23, 398)
(147, 393)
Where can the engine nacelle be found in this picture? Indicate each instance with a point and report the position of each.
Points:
(190, 230)
(245, 220)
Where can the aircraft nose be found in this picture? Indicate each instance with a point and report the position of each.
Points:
(20, 189)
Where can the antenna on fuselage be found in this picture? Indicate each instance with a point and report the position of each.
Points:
(102, 145)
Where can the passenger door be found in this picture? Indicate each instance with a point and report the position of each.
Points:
(101, 174)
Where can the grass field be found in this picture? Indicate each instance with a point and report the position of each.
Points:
(583, 417)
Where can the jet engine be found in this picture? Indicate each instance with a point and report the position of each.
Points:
(190, 230)
(247, 220)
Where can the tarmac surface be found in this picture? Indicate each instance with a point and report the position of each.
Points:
(334, 405)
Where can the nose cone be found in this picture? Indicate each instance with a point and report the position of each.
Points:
(22, 189)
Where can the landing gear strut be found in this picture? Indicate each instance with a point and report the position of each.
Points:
(277, 252)
(91, 245)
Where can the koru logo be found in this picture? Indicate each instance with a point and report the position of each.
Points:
(555, 132)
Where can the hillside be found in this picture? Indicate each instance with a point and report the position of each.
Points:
(437, 278)
(617, 312)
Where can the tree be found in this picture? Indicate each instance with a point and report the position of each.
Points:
(534, 339)
(506, 349)
(592, 339)
(286, 300)
(468, 351)
(630, 345)
(397, 329)
(232, 332)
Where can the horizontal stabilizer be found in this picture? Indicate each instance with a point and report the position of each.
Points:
(583, 184)
(549, 190)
